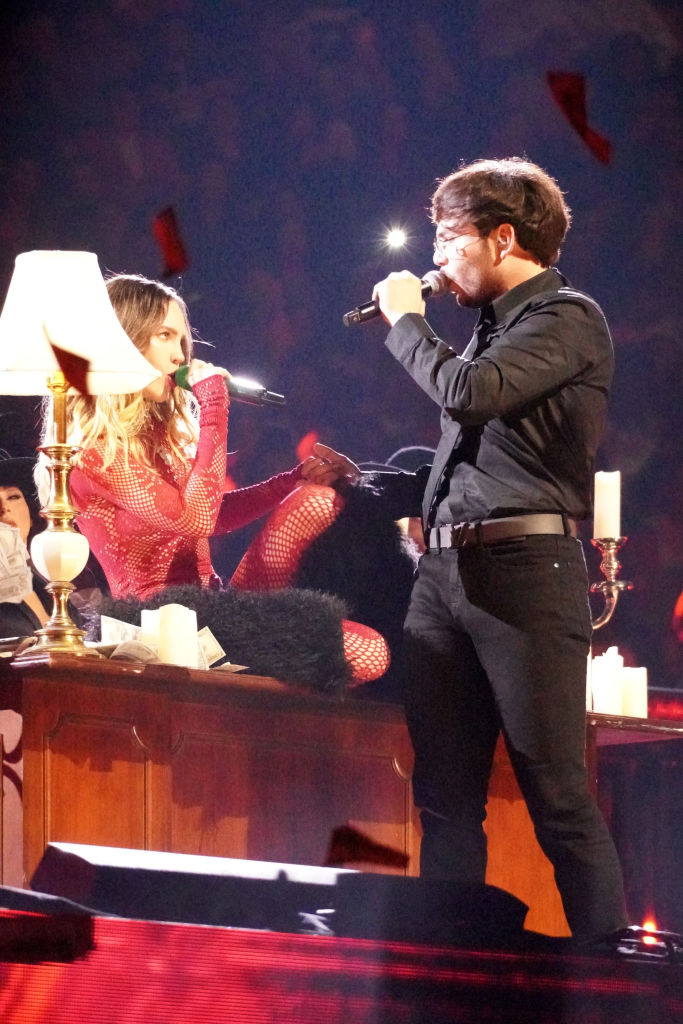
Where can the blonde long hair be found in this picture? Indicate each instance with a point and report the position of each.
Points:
(133, 423)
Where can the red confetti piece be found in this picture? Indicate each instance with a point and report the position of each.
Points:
(75, 368)
(305, 445)
(167, 234)
(569, 92)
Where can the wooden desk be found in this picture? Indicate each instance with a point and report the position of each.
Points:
(205, 762)
(638, 775)
(232, 765)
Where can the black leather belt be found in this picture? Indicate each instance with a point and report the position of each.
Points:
(491, 531)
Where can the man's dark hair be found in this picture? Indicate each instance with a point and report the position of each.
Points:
(512, 191)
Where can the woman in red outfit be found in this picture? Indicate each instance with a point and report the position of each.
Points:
(149, 480)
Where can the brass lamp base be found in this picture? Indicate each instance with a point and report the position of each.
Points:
(59, 553)
(59, 635)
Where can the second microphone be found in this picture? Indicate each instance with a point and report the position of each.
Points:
(239, 388)
(433, 283)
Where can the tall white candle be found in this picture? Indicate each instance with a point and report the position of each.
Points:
(607, 510)
(634, 692)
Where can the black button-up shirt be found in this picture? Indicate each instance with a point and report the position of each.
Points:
(523, 408)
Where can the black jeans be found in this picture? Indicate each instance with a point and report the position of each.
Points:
(497, 637)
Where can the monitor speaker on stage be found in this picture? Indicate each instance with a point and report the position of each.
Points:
(426, 910)
(277, 897)
(158, 886)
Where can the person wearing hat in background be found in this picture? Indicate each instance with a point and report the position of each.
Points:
(25, 601)
(20, 616)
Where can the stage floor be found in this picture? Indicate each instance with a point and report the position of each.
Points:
(148, 971)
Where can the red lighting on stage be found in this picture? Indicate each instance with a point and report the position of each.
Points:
(649, 925)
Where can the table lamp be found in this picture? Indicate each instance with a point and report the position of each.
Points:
(59, 331)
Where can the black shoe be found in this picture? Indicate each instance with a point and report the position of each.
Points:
(641, 944)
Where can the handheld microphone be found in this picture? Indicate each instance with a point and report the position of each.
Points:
(433, 283)
(239, 388)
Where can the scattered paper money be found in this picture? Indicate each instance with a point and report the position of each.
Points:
(138, 644)
(133, 650)
(209, 647)
(16, 579)
(116, 632)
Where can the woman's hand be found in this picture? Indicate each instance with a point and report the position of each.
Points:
(199, 370)
(325, 466)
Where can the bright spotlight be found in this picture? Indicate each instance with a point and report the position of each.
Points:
(396, 238)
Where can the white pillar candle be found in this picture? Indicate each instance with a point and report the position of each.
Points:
(178, 635)
(149, 627)
(634, 692)
(607, 505)
(606, 682)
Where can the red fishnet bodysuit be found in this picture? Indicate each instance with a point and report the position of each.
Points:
(150, 528)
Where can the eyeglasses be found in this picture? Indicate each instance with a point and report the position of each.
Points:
(442, 245)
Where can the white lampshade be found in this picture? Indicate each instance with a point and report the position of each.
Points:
(60, 299)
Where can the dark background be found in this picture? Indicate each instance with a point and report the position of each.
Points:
(288, 137)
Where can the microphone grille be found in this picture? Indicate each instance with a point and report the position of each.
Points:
(180, 378)
(437, 281)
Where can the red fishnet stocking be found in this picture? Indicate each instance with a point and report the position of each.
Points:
(366, 651)
(273, 556)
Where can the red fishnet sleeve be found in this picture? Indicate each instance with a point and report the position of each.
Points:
(245, 504)
(186, 506)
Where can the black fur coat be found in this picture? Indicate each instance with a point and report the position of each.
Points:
(361, 568)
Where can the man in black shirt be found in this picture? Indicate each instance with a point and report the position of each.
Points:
(498, 630)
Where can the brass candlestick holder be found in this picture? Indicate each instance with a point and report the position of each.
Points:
(610, 567)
